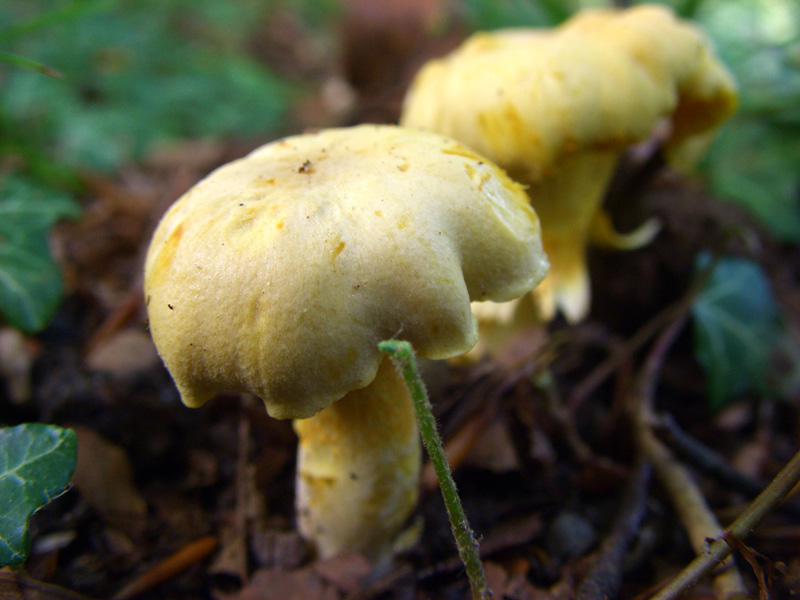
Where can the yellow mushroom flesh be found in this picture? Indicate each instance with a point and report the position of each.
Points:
(360, 455)
(280, 272)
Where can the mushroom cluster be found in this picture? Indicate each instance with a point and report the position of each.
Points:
(280, 272)
(556, 108)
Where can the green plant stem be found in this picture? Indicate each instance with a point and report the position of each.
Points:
(403, 356)
(29, 63)
(689, 503)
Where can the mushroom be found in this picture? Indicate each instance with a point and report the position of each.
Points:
(281, 272)
(556, 108)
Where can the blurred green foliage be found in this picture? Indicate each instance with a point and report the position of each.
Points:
(315, 14)
(494, 14)
(135, 73)
(755, 162)
(131, 74)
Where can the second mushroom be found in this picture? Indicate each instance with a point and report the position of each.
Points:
(557, 108)
(279, 274)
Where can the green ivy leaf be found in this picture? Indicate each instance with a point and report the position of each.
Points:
(30, 280)
(737, 330)
(36, 463)
(755, 161)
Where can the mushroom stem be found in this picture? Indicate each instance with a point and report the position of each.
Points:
(566, 202)
(358, 469)
(468, 550)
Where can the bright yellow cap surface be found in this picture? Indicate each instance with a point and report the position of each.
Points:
(280, 272)
(601, 81)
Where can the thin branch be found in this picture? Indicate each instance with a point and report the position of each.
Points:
(28, 63)
(713, 464)
(720, 549)
(618, 356)
(176, 563)
(605, 577)
(689, 503)
(672, 313)
(697, 518)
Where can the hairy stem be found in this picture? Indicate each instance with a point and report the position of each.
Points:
(403, 356)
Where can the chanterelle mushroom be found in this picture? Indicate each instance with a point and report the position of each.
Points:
(279, 274)
(556, 108)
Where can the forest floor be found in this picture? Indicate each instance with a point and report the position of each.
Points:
(199, 503)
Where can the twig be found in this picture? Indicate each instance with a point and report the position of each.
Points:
(605, 577)
(606, 368)
(545, 382)
(751, 556)
(713, 464)
(720, 549)
(488, 390)
(697, 518)
(672, 313)
(689, 503)
(403, 356)
(176, 563)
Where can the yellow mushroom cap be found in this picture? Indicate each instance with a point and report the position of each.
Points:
(280, 272)
(557, 107)
(528, 97)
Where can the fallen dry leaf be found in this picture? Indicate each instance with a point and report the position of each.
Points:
(278, 584)
(124, 354)
(16, 361)
(15, 585)
(104, 478)
(514, 532)
(278, 549)
(494, 449)
(496, 577)
(346, 571)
